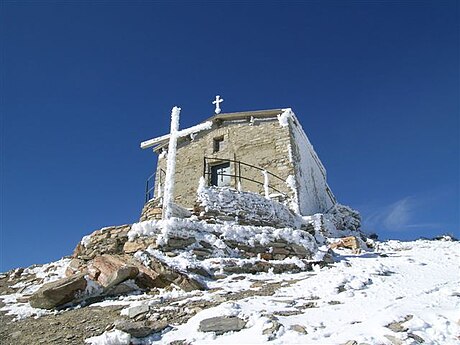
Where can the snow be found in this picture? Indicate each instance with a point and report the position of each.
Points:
(182, 133)
(195, 129)
(114, 337)
(291, 183)
(284, 117)
(228, 231)
(354, 300)
(266, 184)
(415, 283)
(252, 206)
(47, 273)
(85, 240)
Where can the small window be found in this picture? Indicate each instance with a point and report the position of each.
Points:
(218, 144)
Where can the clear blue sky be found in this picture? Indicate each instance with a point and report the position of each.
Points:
(375, 85)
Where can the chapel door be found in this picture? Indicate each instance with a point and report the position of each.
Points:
(220, 175)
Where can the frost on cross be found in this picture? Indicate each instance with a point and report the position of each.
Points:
(217, 103)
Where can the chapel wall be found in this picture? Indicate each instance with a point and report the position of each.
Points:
(314, 194)
(263, 143)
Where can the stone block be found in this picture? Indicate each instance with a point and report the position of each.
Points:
(222, 324)
(57, 293)
(113, 270)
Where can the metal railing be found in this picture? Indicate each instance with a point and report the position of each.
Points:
(238, 175)
(207, 164)
(150, 185)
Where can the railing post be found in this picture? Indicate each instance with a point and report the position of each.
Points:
(204, 169)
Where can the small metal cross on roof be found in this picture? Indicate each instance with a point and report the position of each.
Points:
(217, 102)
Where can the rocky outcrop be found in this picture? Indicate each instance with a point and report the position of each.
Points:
(345, 218)
(59, 292)
(108, 240)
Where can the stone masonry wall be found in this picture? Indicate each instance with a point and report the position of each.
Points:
(263, 143)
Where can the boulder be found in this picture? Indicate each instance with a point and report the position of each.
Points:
(222, 324)
(272, 328)
(121, 289)
(137, 310)
(59, 292)
(139, 329)
(166, 276)
(350, 242)
(75, 266)
(299, 329)
(112, 270)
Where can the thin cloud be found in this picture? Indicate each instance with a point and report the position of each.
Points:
(399, 216)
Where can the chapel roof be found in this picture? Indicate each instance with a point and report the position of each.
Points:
(162, 141)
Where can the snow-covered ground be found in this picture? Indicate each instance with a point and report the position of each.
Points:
(414, 283)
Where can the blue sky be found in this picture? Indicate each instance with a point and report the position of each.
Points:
(375, 85)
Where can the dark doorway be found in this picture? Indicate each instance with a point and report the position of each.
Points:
(220, 175)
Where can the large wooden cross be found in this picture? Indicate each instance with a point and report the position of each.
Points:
(173, 136)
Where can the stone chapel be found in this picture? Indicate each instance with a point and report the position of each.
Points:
(264, 151)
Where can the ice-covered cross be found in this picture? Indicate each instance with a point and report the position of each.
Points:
(217, 103)
(173, 136)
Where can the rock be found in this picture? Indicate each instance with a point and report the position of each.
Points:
(329, 257)
(113, 270)
(201, 271)
(139, 329)
(282, 251)
(132, 247)
(274, 327)
(201, 253)
(120, 289)
(58, 292)
(351, 342)
(137, 310)
(144, 280)
(166, 276)
(222, 324)
(178, 243)
(350, 242)
(417, 338)
(75, 266)
(179, 342)
(397, 327)
(334, 302)
(300, 250)
(299, 329)
(394, 340)
(140, 243)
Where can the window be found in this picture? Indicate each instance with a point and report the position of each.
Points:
(218, 144)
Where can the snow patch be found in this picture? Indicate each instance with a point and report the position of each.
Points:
(113, 337)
